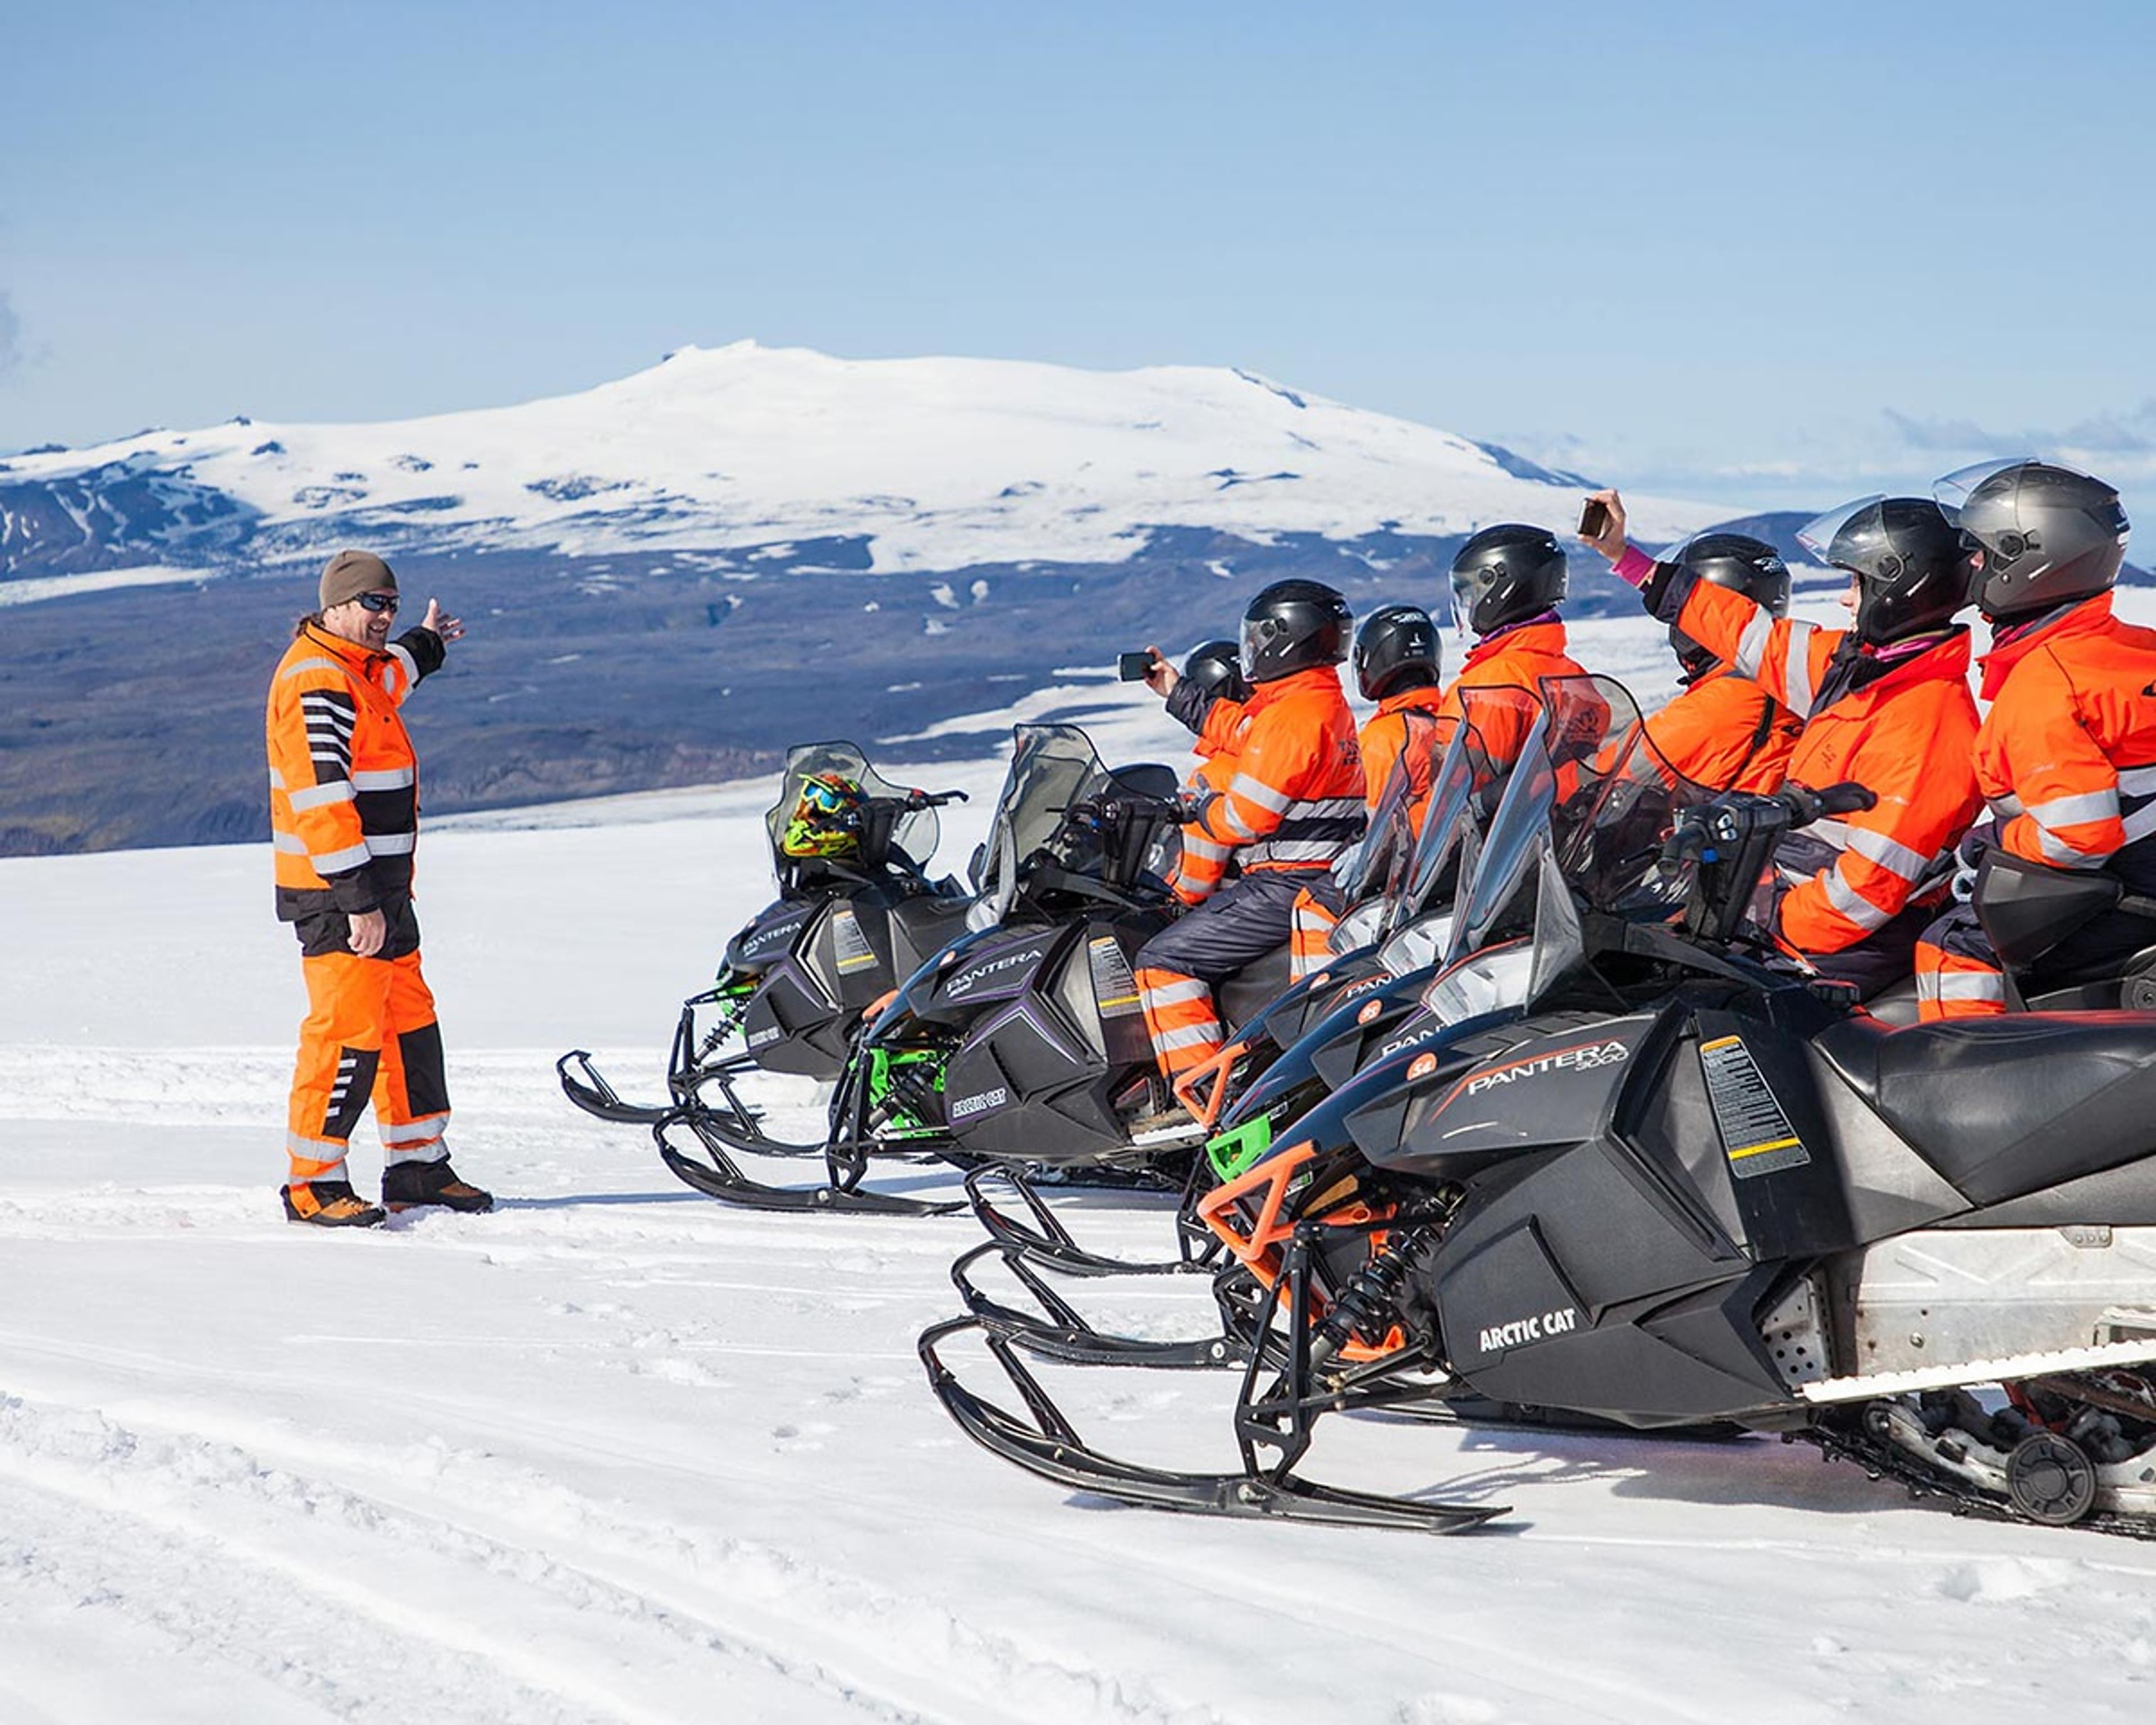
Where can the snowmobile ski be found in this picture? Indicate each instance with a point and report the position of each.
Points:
(722, 1179)
(1047, 1242)
(1049, 1446)
(1065, 1335)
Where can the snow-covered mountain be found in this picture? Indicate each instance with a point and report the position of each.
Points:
(754, 458)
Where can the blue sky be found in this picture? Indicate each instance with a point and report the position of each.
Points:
(1771, 256)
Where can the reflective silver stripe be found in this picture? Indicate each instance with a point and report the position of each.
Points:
(1797, 669)
(1853, 904)
(336, 862)
(1928, 985)
(321, 796)
(415, 1131)
(391, 844)
(308, 665)
(291, 844)
(1206, 1035)
(314, 1149)
(1890, 853)
(2138, 781)
(1205, 848)
(2006, 807)
(1752, 644)
(2140, 823)
(1174, 992)
(1322, 850)
(1233, 822)
(276, 780)
(1834, 832)
(2056, 850)
(1962, 985)
(1255, 791)
(1326, 808)
(403, 657)
(2058, 812)
(392, 779)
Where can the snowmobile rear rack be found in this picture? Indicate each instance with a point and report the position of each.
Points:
(1051, 1448)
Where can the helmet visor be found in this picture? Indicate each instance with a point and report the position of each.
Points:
(1958, 487)
(1818, 535)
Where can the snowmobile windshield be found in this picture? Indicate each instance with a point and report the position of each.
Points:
(1584, 729)
(1611, 853)
(1052, 768)
(1465, 787)
(822, 813)
(1380, 864)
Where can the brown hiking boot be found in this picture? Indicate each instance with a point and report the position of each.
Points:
(406, 1185)
(329, 1203)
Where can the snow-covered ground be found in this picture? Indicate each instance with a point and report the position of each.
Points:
(616, 1452)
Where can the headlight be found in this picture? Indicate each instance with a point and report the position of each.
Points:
(1488, 981)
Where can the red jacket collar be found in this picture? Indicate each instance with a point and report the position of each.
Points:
(1409, 699)
(1546, 638)
(1320, 677)
(2092, 617)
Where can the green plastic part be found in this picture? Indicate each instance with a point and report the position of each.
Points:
(1238, 1152)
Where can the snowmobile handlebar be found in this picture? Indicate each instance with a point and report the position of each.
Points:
(934, 799)
(1725, 824)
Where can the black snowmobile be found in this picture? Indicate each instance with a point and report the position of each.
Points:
(856, 913)
(1022, 1042)
(1676, 1182)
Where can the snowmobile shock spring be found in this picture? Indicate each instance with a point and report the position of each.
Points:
(1371, 1298)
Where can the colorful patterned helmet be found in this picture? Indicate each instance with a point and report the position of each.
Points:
(826, 820)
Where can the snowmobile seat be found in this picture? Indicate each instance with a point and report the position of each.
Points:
(1254, 988)
(2002, 1107)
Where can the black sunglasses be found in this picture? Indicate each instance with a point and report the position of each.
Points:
(377, 602)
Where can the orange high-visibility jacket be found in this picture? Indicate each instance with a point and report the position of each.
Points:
(344, 783)
(1521, 658)
(1386, 733)
(1295, 799)
(1204, 862)
(1727, 733)
(2068, 753)
(1908, 736)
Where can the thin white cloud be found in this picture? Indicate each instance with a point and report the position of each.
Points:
(11, 339)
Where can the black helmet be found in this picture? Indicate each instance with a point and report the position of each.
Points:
(1507, 574)
(2038, 535)
(1396, 649)
(1291, 626)
(1911, 573)
(1739, 562)
(1217, 668)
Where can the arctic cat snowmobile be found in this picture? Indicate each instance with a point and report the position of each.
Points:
(1679, 1181)
(856, 911)
(1312, 1036)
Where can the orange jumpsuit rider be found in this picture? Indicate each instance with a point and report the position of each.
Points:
(1294, 804)
(1507, 581)
(2067, 757)
(1886, 704)
(1725, 732)
(344, 815)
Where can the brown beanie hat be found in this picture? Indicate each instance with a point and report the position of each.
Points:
(351, 573)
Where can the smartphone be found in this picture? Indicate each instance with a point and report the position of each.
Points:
(1594, 519)
(1132, 667)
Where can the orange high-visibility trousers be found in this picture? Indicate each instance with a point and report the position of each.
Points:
(369, 1033)
(1310, 937)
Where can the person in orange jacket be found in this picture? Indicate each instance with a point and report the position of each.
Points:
(2067, 757)
(1208, 695)
(1885, 702)
(1294, 804)
(344, 817)
(1397, 664)
(1507, 582)
(1725, 733)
